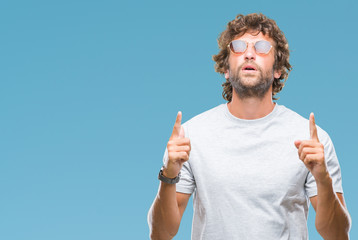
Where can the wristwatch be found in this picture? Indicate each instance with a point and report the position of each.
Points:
(163, 178)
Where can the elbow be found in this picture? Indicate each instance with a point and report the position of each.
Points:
(156, 230)
(156, 233)
(335, 225)
(334, 236)
(331, 232)
(159, 235)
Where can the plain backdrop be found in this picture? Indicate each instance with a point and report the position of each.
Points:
(89, 91)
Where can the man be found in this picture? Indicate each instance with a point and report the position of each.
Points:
(253, 164)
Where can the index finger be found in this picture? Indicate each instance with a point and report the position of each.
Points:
(313, 128)
(177, 126)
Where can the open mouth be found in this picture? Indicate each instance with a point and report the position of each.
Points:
(249, 68)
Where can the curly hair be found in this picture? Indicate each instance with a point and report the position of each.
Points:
(260, 23)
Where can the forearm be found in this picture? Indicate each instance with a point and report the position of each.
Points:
(332, 218)
(164, 216)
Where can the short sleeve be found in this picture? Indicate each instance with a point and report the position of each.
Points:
(332, 165)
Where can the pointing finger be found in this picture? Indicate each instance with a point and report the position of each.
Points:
(177, 126)
(313, 128)
(182, 133)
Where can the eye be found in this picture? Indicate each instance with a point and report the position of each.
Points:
(263, 47)
(238, 46)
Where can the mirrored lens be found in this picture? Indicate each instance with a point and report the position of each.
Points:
(262, 47)
(238, 46)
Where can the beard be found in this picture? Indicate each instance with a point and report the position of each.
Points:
(251, 85)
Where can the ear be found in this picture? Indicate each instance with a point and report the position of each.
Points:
(277, 74)
(227, 74)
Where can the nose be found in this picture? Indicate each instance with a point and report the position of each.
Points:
(250, 53)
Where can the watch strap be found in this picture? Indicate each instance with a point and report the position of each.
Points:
(165, 179)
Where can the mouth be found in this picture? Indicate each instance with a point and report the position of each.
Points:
(249, 68)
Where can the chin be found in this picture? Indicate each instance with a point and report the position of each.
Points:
(249, 81)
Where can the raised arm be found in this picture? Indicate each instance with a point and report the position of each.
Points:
(168, 207)
(332, 218)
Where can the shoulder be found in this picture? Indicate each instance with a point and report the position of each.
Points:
(205, 120)
(300, 124)
(207, 116)
(285, 112)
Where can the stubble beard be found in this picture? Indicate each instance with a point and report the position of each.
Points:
(258, 89)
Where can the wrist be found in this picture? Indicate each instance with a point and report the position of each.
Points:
(168, 178)
(168, 174)
(325, 180)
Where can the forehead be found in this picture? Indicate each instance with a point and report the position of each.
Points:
(254, 37)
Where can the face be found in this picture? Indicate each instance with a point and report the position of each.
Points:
(252, 74)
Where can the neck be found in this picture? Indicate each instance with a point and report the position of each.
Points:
(251, 108)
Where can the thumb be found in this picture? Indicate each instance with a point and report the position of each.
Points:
(297, 143)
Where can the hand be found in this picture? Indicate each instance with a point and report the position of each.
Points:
(178, 150)
(311, 152)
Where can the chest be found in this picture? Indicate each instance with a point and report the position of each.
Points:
(255, 166)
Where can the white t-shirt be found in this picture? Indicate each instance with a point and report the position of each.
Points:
(246, 176)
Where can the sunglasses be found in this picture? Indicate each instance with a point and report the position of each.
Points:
(239, 46)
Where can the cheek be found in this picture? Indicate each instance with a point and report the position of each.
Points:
(232, 65)
(268, 65)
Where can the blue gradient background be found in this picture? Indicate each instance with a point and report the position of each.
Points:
(89, 91)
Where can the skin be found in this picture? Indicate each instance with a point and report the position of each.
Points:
(332, 218)
(167, 210)
(252, 107)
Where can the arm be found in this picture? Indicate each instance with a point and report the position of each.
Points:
(167, 210)
(332, 217)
